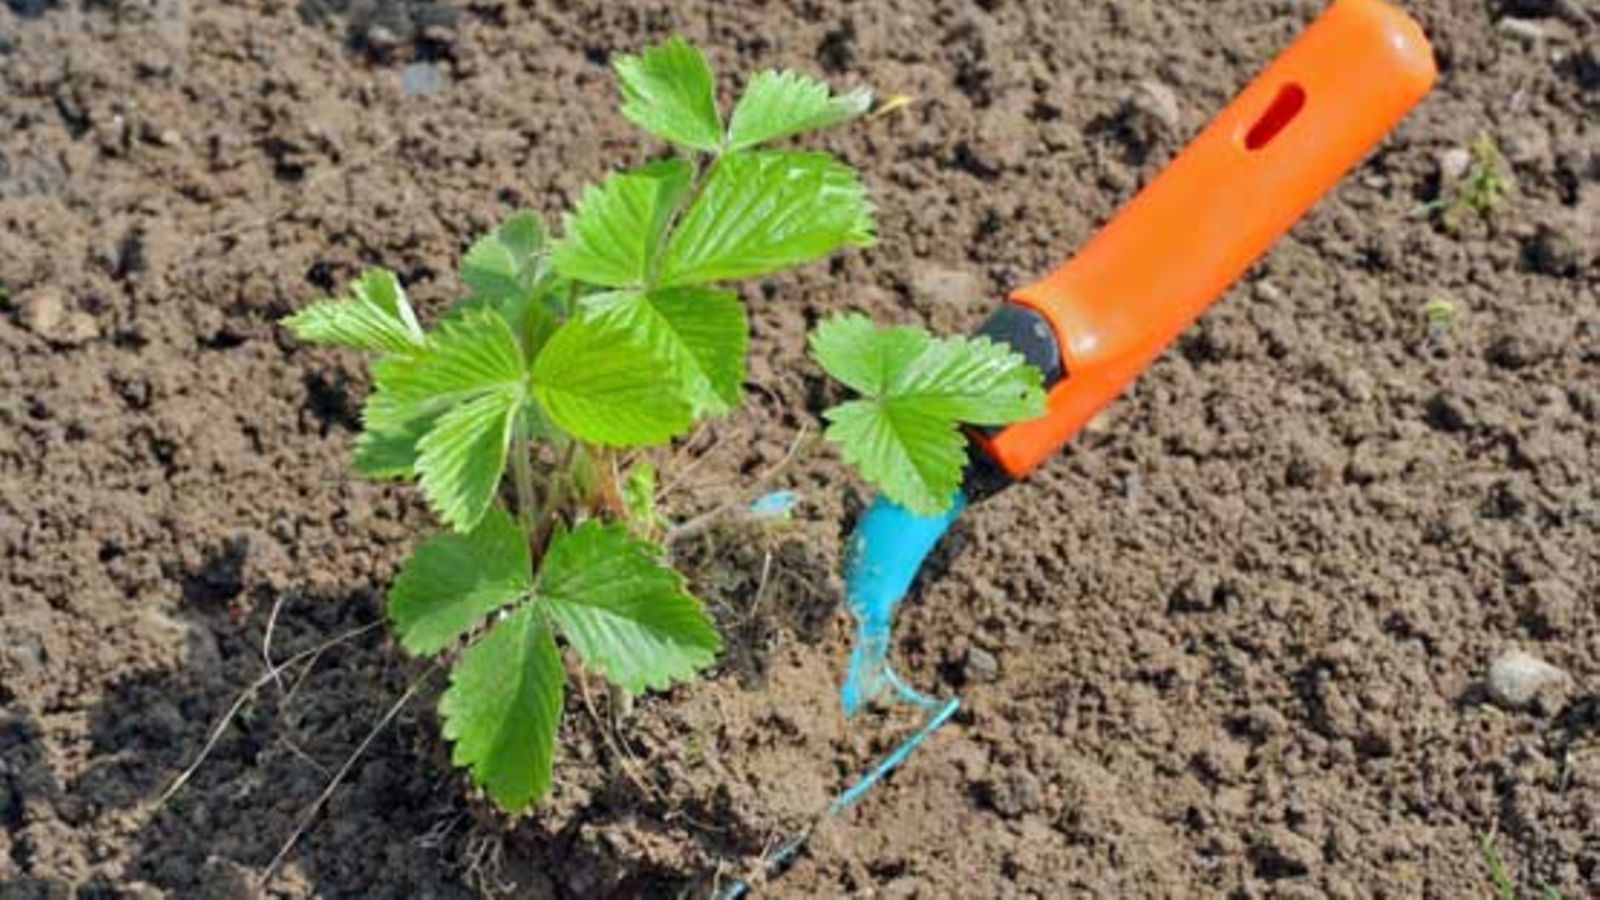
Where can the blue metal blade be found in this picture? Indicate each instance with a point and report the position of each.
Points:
(887, 549)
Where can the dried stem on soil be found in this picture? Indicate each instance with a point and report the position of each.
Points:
(271, 676)
(344, 769)
(266, 638)
(706, 519)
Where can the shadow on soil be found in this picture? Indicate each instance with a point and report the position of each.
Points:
(217, 834)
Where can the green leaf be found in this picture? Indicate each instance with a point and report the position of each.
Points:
(509, 270)
(535, 316)
(905, 434)
(453, 580)
(914, 458)
(460, 461)
(597, 381)
(767, 210)
(391, 453)
(670, 92)
(698, 334)
(866, 358)
(472, 378)
(503, 708)
(780, 104)
(625, 613)
(468, 355)
(376, 316)
(613, 237)
(509, 260)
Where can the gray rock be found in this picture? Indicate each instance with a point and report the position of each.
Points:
(1518, 678)
(420, 79)
(439, 34)
(1158, 102)
(981, 665)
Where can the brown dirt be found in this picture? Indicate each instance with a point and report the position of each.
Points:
(1230, 643)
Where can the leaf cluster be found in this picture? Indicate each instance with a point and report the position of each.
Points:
(618, 334)
(904, 434)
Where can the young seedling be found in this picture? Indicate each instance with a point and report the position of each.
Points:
(1440, 314)
(1504, 887)
(904, 433)
(1479, 190)
(615, 336)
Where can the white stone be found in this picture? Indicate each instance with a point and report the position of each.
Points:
(1517, 678)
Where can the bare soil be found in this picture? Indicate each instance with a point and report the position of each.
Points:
(1231, 643)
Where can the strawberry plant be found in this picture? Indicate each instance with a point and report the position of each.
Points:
(616, 335)
(904, 433)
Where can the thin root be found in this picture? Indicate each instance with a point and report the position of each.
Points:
(626, 759)
(338, 776)
(485, 865)
(246, 695)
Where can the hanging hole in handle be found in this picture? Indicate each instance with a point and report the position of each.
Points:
(1290, 100)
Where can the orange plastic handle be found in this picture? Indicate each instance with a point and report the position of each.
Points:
(1255, 169)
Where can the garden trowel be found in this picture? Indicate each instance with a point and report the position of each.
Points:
(1092, 325)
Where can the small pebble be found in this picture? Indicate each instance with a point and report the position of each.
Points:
(1518, 678)
(45, 313)
(1453, 163)
(439, 34)
(381, 37)
(1266, 291)
(1522, 29)
(981, 665)
(1159, 102)
(42, 312)
(419, 79)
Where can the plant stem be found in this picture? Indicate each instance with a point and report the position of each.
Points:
(610, 493)
(560, 482)
(522, 477)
